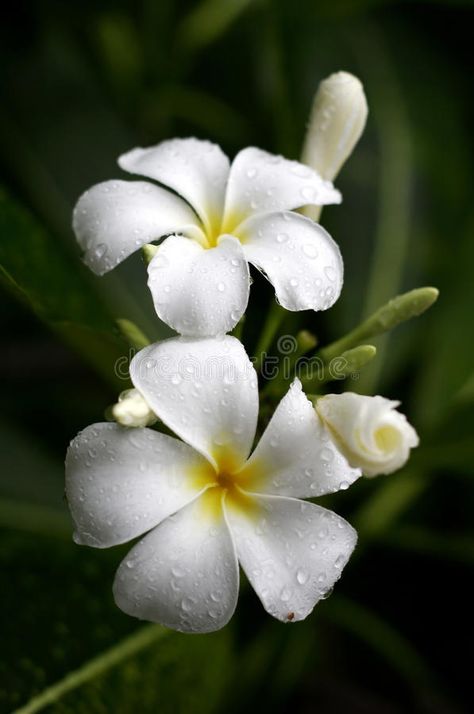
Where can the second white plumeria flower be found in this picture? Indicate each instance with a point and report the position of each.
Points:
(223, 218)
(203, 503)
(369, 431)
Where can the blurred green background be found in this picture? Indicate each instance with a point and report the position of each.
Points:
(83, 82)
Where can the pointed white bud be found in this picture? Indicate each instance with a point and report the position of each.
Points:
(132, 410)
(336, 123)
(369, 431)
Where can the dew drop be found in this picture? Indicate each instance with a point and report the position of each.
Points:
(326, 454)
(100, 251)
(187, 604)
(310, 250)
(302, 576)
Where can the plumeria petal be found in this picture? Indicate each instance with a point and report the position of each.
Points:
(196, 170)
(204, 390)
(184, 574)
(291, 551)
(113, 219)
(122, 482)
(298, 257)
(196, 291)
(260, 182)
(296, 456)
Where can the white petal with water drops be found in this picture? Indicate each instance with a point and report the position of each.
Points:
(292, 552)
(197, 170)
(204, 390)
(183, 574)
(298, 257)
(260, 182)
(295, 455)
(199, 292)
(115, 218)
(122, 482)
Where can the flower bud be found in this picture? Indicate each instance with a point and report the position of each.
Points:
(336, 123)
(132, 410)
(369, 431)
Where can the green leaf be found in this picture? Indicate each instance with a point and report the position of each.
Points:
(83, 655)
(393, 497)
(55, 285)
(381, 636)
(209, 20)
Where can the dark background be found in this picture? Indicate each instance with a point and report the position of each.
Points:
(83, 82)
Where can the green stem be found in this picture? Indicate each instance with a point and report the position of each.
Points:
(128, 647)
(274, 319)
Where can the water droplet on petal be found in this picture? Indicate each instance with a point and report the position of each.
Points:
(100, 251)
(310, 250)
(326, 454)
(302, 576)
(330, 273)
(187, 604)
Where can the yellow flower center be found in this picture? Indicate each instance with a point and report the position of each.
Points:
(217, 226)
(227, 482)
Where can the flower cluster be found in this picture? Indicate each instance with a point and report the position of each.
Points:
(206, 500)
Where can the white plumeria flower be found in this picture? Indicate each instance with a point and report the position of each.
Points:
(370, 432)
(223, 218)
(203, 503)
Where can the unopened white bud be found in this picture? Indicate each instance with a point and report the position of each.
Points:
(336, 123)
(132, 410)
(369, 431)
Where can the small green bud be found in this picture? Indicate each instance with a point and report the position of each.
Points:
(399, 309)
(132, 334)
(306, 341)
(149, 251)
(351, 361)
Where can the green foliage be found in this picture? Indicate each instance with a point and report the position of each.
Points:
(97, 659)
(38, 270)
(79, 87)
